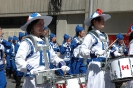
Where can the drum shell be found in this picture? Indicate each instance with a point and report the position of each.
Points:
(71, 82)
(121, 69)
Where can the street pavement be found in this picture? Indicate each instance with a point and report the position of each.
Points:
(11, 83)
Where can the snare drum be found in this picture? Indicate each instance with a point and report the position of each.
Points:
(121, 69)
(71, 82)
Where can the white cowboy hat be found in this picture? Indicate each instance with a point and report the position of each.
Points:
(34, 16)
(98, 13)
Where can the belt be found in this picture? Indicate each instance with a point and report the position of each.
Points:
(99, 59)
(28, 75)
(78, 59)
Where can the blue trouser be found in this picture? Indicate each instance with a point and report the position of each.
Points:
(8, 66)
(14, 68)
(2, 79)
(78, 66)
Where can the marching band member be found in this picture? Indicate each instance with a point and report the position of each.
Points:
(66, 51)
(18, 74)
(8, 59)
(78, 66)
(28, 59)
(53, 43)
(121, 49)
(21, 35)
(129, 84)
(93, 47)
(45, 31)
(2, 65)
(119, 46)
(3, 43)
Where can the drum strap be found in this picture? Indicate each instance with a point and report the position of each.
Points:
(96, 34)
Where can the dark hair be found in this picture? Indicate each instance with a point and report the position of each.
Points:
(30, 26)
(131, 36)
(0, 28)
(20, 38)
(92, 24)
(77, 34)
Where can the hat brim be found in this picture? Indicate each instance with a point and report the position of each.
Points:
(87, 21)
(47, 21)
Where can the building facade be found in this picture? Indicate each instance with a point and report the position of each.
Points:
(66, 15)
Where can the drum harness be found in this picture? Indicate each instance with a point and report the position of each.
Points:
(47, 75)
(104, 64)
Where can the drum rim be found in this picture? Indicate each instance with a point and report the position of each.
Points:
(122, 79)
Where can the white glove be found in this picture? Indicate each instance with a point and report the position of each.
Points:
(33, 72)
(117, 54)
(99, 52)
(65, 68)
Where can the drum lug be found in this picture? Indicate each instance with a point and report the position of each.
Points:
(65, 80)
(79, 81)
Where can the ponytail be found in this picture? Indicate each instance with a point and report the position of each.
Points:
(131, 36)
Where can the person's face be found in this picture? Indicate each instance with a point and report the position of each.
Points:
(53, 39)
(82, 33)
(99, 24)
(120, 42)
(45, 32)
(22, 38)
(68, 40)
(38, 28)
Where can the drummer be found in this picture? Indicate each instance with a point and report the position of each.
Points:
(93, 47)
(30, 60)
(130, 83)
(119, 46)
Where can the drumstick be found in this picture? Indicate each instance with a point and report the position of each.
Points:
(111, 45)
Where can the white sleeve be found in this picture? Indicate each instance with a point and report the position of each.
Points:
(54, 57)
(20, 58)
(86, 46)
(130, 48)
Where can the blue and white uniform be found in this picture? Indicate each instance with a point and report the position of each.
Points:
(53, 44)
(122, 49)
(16, 46)
(13, 55)
(66, 55)
(3, 44)
(78, 66)
(8, 57)
(55, 47)
(119, 48)
(66, 52)
(29, 60)
(91, 46)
